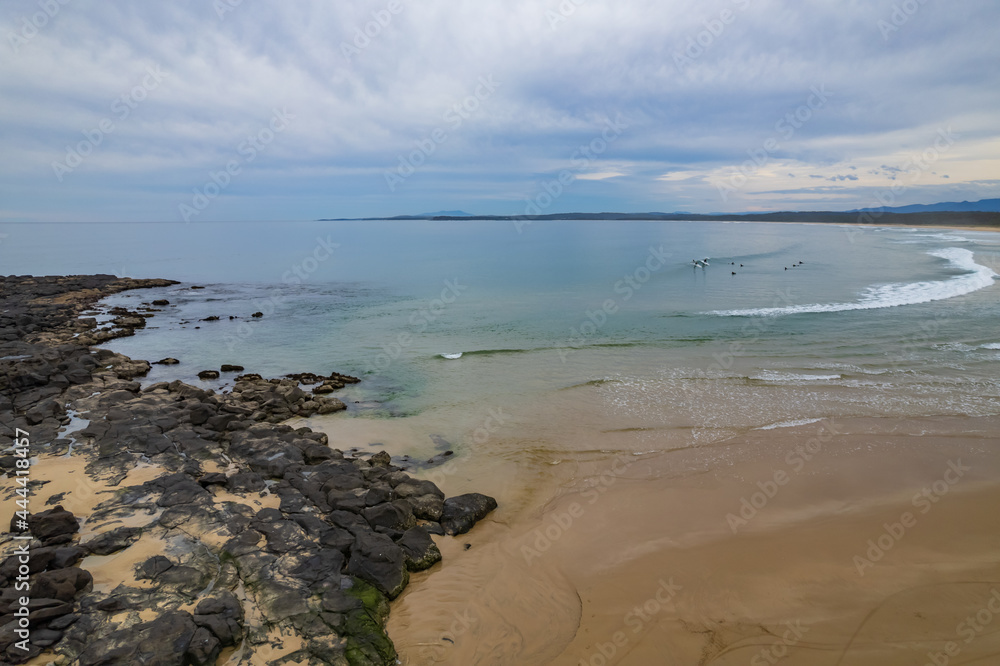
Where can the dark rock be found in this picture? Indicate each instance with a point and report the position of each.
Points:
(245, 482)
(416, 488)
(153, 567)
(213, 479)
(204, 648)
(208, 374)
(182, 490)
(420, 550)
(62, 584)
(167, 361)
(161, 301)
(462, 512)
(226, 367)
(380, 459)
(111, 542)
(376, 559)
(212, 318)
(427, 507)
(66, 557)
(257, 315)
(395, 516)
(164, 641)
(54, 522)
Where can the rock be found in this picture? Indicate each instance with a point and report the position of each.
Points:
(212, 318)
(376, 559)
(416, 488)
(183, 490)
(395, 516)
(420, 550)
(201, 414)
(330, 405)
(380, 459)
(245, 482)
(204, 648)
(462, 512)
(161, 302)
(55, 522)
(153, 567)
(213, 479)
(61, 584)
(257, 315)
(167, 361)
(221, 614)
(427, 507)
(163, 641)
(208, 374)
(226, 367)
(111, 542)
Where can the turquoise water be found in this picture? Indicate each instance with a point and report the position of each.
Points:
(871, 322)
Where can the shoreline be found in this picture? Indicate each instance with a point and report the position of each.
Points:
(188, 521)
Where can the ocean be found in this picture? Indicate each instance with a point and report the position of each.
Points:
(563, 337)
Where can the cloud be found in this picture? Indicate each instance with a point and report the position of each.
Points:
(369, 87)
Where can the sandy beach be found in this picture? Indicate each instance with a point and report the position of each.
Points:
(874, 550)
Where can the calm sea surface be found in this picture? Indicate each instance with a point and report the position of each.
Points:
(566, 328)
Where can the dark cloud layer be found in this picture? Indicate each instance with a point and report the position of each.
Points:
(249, 110)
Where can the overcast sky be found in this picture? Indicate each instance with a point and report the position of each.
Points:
(241, 110)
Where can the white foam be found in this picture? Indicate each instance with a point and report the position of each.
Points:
(992, 345)
(789, 424)
(772, 376)
(452, 356)
(976, 277)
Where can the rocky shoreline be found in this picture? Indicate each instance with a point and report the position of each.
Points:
(264, 544)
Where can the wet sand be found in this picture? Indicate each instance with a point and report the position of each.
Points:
(630, 559)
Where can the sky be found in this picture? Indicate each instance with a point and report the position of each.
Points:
(204, 110)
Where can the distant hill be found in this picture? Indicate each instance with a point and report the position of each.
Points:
(446, 213)
(982, 206)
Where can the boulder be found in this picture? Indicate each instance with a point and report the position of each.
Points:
(55, 522)
(376, 559)
(167, 361)
(462, 512)
(208, 374)
(420, 550)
